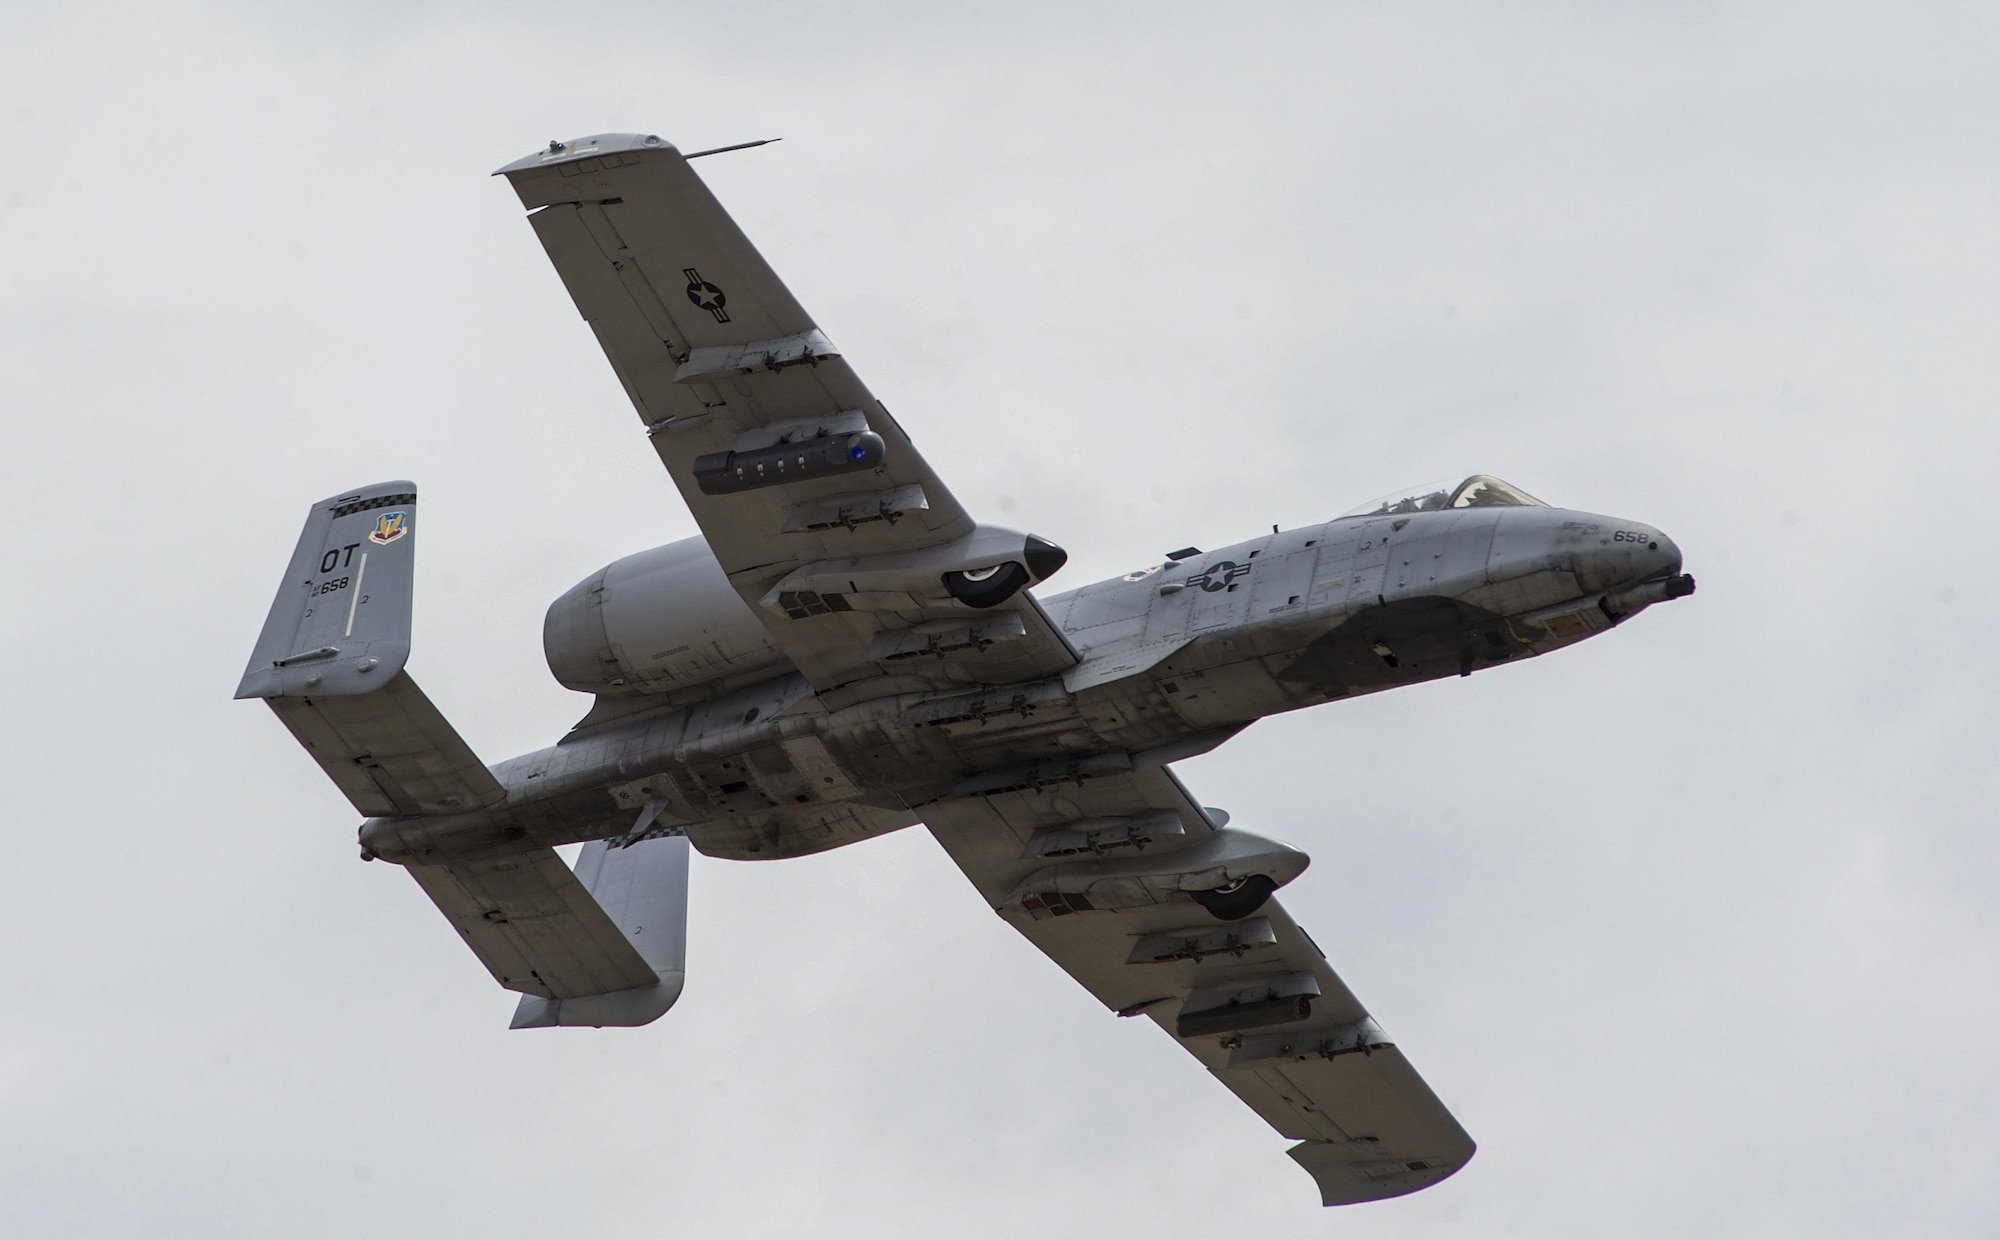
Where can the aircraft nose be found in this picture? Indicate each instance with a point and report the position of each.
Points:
(1651, 574)
(1627, 552)
(1664, 556)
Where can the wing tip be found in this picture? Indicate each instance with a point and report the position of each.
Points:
(641, 1005)
(592, 146)
(1346, 1179)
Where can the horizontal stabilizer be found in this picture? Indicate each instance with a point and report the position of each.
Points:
(643, 889)
(391, 752)
(534, 926)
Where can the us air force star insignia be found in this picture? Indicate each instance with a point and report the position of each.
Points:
(1218, 576)
(706, 295)
(389, 527)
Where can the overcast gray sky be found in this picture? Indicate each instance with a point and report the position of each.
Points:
(1692, 926)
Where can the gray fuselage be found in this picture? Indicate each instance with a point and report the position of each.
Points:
(1173, 660)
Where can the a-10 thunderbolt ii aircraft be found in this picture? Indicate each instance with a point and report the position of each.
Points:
(846, 651)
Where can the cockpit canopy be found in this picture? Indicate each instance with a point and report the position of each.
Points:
(1478, 491)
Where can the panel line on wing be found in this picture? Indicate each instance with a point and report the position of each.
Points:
(604, 233)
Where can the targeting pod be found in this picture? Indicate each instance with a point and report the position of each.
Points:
(821, 456)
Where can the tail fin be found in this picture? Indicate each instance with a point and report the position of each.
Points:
(643, 889)
(605, 945)
(330, 662)
(341, 622)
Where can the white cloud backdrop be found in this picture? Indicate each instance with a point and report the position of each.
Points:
(1693, 926)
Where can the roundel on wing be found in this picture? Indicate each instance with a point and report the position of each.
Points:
(706, 295)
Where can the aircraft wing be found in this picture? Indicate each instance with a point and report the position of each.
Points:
(844, 563)
(1051, 858)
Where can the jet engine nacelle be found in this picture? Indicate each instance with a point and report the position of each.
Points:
(657, 622)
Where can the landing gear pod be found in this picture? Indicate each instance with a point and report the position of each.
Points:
(1231, 874)
(986, 587)
(994, 585)
(981, 570)
(1237, 900)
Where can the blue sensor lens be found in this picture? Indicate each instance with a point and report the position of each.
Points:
(858, 452)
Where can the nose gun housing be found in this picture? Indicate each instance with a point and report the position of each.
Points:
(1548, 557)
(1449, 592)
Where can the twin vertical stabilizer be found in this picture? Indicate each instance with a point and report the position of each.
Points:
(606, 947)
(643, 889)
(341, 622)
(330, 663)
